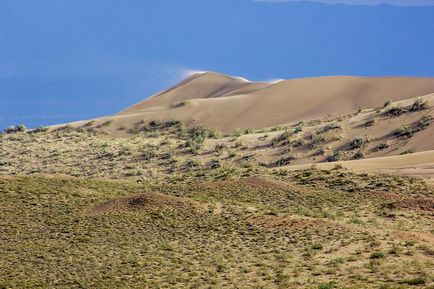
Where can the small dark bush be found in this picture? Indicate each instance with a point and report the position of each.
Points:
(284, 161)
(415, 281)
(357, 143)
(377, 255)
(15, 129)
(334, 157)
(382, 146)
(419, 104)
(358, 155)
(370, 123)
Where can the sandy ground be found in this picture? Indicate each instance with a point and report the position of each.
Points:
(416, 164)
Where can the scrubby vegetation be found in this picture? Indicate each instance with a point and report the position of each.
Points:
(307, 229)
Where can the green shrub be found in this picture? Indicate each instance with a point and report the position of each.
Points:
(40, 129)
(325, 286)
(377, 255)
(387, 103)
(396, 111)
(328, 127)
(357, 143)
(407, 151)
(415, 281)
(419, 104)
(358, 155)
(382, 146)
(334, 157)
(370, 122)
(284, 161)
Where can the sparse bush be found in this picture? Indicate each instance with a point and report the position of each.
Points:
(396, 111)
(377, 255)
(106, 123)
(334, 157)
(219, 147)
(358, 155)
(382, 146)
(191, 164)
(215, 164)
(40, 129)
(415, 281)
(387, 103)
(325, 286)
(407, 131)
(328, 127)
(357, 143)
(369, 123)
(282, 139)
(15, 129)
(419, 104)
(407, 151)
(284, 161)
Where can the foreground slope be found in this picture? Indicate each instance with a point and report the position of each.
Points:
(313, 229)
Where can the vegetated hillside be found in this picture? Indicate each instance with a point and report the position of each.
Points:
(150, 149)
(309, 229)
(146, 200)
(226, 103)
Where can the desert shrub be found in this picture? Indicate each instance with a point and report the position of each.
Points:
(415, 281)
(214, 164)
(298, 143)
(148, 155)
(358, 155)
(89, 123)
(106, 123)
(219, 147)
(298, 129)
(315, 141)
(407, 131)
(320, 152)
(328, 127)
(40, 129)
(333, 157)
(396, 111)
(191, 164)
(154, 122)
(282, 139)
(15, 128)
(377, 255)
(369, 123)
(387, 103)
(407, 151)
(284, 161)
(404, 131)
(382, 146)
(424, 122)
(325, 286)
(357, 143)
(196, 138)
(419, 104)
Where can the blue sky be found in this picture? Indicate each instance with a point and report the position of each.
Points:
(64, 60)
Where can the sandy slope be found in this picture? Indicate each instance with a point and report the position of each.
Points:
(416, 164)
(227, 103)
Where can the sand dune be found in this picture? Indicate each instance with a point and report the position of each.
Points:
(226, 103)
